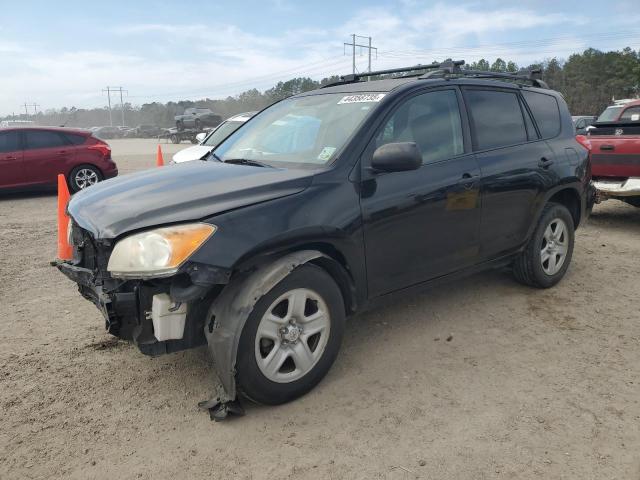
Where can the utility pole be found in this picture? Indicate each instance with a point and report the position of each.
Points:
(353, 46)
(26, 108)
(109, 90)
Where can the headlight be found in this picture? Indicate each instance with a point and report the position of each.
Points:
(159, 252)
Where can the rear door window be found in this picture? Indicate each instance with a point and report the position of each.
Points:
(9, 142)
(44, 139)
(545, 112)
(75, 139)
(496, 118)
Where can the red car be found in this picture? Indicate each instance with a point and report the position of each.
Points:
(614, 143)
(34, 156)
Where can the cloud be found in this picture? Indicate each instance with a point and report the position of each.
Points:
(163, 61)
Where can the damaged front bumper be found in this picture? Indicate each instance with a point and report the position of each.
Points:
(628, 187)
(128, 310)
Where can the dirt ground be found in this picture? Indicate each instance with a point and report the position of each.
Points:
(532, 384)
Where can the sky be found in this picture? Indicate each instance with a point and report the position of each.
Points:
(64, 53)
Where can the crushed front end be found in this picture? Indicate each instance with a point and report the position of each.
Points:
(159, 315)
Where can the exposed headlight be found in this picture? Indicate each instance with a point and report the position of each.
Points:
(159, 252)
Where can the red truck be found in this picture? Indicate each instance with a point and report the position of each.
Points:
(614, 143)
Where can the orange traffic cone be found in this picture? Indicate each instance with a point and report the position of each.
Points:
(65, 251)
(159, 159)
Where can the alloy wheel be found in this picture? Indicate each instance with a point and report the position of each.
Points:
(85, 178)
(555, 244)
(292, 335)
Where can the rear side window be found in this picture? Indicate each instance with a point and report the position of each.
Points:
(496, 117)
(44, 139)
(545, 112)
(631, 114)
(9, 142)
(75, 139)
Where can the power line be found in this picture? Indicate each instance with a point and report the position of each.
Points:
(229, 86)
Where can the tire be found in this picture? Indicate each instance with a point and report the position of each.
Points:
(290, 380)
(531, 268)
(83, 176)
(175, 139)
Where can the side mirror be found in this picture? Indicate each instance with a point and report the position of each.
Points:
(397, 157)
(200, 137)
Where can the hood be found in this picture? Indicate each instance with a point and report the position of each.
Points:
(178, 193)
(192, 153)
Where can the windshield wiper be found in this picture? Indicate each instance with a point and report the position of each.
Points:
(211, 154)
(244, 161)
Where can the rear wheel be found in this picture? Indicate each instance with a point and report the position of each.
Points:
(83, 176)
(291, 337)
(175, 139)
(547, 256)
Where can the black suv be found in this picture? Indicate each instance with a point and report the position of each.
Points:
(324, 204)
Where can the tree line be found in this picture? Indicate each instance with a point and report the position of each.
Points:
(589, 81)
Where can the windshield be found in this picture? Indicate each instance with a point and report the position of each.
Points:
(306, 131)
(610, 114)
(220, 133)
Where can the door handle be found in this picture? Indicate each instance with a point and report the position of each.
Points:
(62, 152)
(468, 180)
(545, 162)
(607, 147)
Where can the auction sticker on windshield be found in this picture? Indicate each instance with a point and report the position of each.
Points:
(362, 98)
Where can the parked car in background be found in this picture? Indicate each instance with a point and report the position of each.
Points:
(614, 143)
(213, 139)
(146, 131)
(34, 156)
(324, 204)
(107, 133)
(620, 110)
(197, 118)
(582, 122)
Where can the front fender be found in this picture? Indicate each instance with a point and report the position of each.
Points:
(229, 312)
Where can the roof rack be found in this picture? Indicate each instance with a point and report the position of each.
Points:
(447, 69)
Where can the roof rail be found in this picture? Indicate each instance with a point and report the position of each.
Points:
(414, 71)
(447, 69)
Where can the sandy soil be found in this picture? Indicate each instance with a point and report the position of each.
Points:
(532, 384)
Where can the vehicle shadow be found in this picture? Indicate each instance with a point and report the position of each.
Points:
(26, 195)
(426, 315)
(616, 215)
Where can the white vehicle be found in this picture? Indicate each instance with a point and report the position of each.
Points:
(213, 139)
(16, 123)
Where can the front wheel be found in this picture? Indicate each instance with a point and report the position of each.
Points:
(291, 337)
(547, 256)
